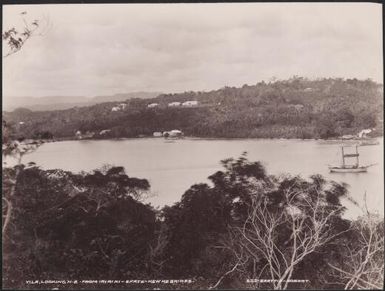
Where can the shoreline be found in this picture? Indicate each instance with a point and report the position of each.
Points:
(192, 138)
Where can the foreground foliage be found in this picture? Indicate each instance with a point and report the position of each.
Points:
(246, 225)
(70, 226)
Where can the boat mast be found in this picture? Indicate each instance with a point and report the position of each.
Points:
(343, 157)
(355, 155)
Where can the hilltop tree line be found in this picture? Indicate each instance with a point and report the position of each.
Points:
(294, 108)
(246, 225)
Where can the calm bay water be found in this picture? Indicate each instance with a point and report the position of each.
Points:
(172, 167)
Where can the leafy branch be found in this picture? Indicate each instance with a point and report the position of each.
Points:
(15, 39)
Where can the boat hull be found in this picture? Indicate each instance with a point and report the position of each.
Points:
(348, 170)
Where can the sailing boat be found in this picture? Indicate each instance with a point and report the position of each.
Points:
(352, 168)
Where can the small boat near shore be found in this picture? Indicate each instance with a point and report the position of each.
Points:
(352, 168)
(368, 142)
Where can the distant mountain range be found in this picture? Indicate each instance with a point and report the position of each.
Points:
(49, 103)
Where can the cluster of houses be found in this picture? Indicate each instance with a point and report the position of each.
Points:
(119, 107)
(190, 103)
(175, 133)
(172, 134)
(90, 134)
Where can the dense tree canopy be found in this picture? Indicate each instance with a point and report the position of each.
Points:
(70, 226)
(294, 108)
(245, 224)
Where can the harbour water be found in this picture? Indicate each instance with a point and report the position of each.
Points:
(172, 167)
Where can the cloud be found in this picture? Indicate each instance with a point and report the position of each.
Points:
(106, 49)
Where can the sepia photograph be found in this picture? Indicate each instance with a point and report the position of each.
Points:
(192, 146)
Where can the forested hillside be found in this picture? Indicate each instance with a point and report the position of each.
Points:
(294, 108)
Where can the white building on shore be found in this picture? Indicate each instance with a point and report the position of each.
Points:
(152, 105)
(174, 104)
(175, 133)
(190, 103)
(104, 131)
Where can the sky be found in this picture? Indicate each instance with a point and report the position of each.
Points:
(100, 49)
